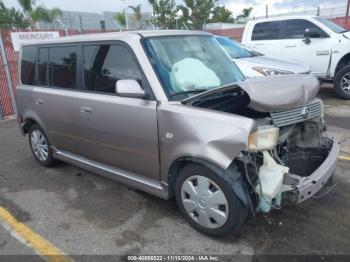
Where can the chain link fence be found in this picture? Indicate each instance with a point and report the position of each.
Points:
(6, 107)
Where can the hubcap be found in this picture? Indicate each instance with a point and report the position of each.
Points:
(345, 83)
(204, 201)
(39, 145)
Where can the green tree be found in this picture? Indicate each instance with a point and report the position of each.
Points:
(137, 13)
(35, 14)
(199, 11)
(222, 15)
(11, 18)
(164, 13)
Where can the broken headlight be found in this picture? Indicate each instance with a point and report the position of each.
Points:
(265, 137)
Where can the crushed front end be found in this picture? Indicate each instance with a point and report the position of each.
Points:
(290, 156)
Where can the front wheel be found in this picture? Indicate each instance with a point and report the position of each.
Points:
(342, 83)
(208, 202)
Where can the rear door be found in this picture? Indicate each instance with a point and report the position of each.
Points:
(57, 95)
(117, 131)
(314, 52)
(265, 38)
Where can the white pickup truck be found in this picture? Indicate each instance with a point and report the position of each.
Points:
(313, 41)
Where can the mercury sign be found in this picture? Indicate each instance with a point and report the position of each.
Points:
(21, 37)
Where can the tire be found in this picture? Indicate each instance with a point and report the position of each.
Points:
(342, 83)
(40, 146)
(202, 210)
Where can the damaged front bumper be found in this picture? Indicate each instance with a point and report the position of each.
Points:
(298, 176)
(304, 188)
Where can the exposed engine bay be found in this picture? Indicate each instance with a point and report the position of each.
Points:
(289, 157)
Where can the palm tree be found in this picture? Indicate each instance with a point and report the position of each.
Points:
(137, 13)
(27, 5)
(247, 11)
(36, 14)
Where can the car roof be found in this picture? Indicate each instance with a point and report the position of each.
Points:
(279, 18)
(115, 36)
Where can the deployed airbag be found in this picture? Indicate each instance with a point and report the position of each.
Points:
(191, 73)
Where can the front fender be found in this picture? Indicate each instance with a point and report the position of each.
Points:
(187, 131)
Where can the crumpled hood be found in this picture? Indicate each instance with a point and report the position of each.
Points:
(267, 94)
(279, 93)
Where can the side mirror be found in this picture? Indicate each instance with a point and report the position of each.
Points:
(313, 33)
(129, 88)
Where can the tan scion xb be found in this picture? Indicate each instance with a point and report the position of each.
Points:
(167, 112)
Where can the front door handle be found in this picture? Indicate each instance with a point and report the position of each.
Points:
(290, 46)
(39, 102)
(86, 109)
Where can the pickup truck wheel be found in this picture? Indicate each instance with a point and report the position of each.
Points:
(40, 146)
(208, 202)
(342, 83)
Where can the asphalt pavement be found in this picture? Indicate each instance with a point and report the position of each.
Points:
(80, 213)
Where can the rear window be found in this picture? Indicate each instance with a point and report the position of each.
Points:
(54, 66)
(63, 67)
(28, 62)
(266, 31)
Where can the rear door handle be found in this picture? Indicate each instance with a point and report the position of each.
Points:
(86, 109)
(290, 46)
(39, 102)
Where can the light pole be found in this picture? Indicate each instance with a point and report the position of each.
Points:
(154, 14)
(178, 15)
(347, 13)
(126, 19)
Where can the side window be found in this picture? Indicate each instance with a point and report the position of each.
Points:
(296, 28)
(43, 58)
(104, 65)
(266, 31)
(29, 54)
(63, 67)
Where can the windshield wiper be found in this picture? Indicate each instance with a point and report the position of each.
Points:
(196, 91)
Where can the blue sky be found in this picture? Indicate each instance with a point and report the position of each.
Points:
(236, 6)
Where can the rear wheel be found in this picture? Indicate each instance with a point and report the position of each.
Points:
(342, 83)
(40, 146)
(208, 202)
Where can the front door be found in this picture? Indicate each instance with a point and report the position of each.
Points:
(314, 52)
(117, 131)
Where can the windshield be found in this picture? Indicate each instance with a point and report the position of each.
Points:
(334, 27)
(234, 49)
(188, 65)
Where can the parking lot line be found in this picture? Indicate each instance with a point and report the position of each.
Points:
(32, 239)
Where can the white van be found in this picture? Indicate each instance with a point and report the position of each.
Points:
(314, 41)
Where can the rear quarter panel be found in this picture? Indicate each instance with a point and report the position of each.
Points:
(27, 109)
